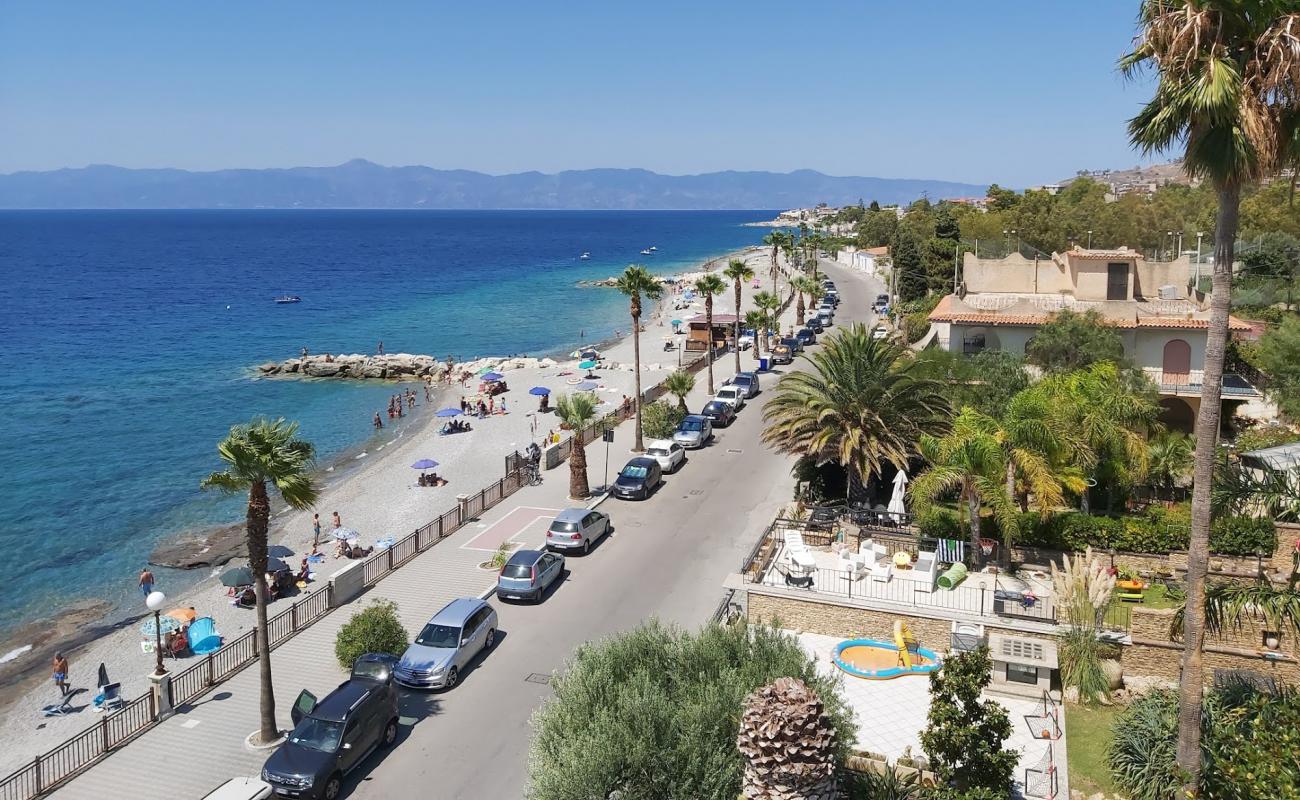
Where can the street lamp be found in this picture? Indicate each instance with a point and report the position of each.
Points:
(154, 602)
(1199, 234)
(1089, 240)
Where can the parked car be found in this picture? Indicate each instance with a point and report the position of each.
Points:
(719, 412)
(693, 432)
(576, 529)
(734, 395)
(447, 643)
(330, 738)
(831, 296)
(240, 789)
(826, 318)
(781, 354)
(638, 479)
(376, 667)
(746, 340)
(814, 324)
(806, 336)
(880, 332)
(528, 574)
(791, 342)
(668, 453)
(748, 381)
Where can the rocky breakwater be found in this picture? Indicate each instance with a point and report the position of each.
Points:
(390, 366)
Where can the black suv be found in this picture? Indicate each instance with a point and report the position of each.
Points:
(331, 737)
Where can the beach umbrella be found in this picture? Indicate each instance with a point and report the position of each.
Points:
(346, 534)
(239, 576)
(279, 551)
(586, 364)
(540, 391)
(103, 675)
(896, 499)
(448, 412)
(424, 463)
(589, 353)
(676, 323)
(586, 386)
(275, 565)
(183, 615)
(492, 376)
(168, 624)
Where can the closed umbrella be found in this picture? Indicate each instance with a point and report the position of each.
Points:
(168, 624)
(448, 412)
(896, 506)
(424, 463)
(239, 576)
(539, 391)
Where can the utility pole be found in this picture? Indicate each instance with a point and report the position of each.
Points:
(1199, 234)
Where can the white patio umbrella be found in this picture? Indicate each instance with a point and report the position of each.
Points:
(896, 506)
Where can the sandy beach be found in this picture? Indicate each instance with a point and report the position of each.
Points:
(375, 494)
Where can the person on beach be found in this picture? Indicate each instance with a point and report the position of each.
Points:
(304, 352)
(146, 581)
(503, 405)
(315, 522)
(400, 412)
(61, 673)
(338, 523)
(379, 423)
(380, 351)
(491, 404)
(410, 401)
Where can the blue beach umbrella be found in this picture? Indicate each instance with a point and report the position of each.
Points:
(676, 322)
(492, 376)
(586, 386)
(539, 391)
(586, 364)
(448, 412)
(424, 463)
(169, 624)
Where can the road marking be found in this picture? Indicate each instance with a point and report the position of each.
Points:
(513, 524)
(191, 723)
(733, 450)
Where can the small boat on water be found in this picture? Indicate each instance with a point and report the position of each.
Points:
(286, 299)
(646, 253)
(585, 256)
(653, 248)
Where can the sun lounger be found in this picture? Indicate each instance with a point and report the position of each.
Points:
(59, 709)
(801, 559)
(110, 698)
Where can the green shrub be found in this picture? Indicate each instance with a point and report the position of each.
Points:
(660, 418)
(940, 523)
(374, 629)
(915, 326)
(1243, 536)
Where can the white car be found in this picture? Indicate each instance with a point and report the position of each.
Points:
(879, 332)
(733, 396)
(668, 453)
(745, 341)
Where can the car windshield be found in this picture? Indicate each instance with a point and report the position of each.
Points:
(656, 451)
(439, 636)
(375, 670)
(517, 571)
(564, 527)
(317, 734)
(715, 407)
(691, 425)
(633, 471)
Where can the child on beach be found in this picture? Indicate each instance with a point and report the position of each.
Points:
(338, 522)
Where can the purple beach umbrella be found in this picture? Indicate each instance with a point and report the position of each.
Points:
(492, 376)
(448, 412)
(424, 463)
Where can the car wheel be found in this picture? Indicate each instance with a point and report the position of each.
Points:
(586, 546)
(332, 788)
(491, 637)
(390, 733)
(453, 675)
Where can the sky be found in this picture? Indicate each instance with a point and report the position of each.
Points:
(1018, 92)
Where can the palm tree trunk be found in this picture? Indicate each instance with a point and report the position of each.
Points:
(579, 488)
(1190, 685)
(708, 320)
(1011, 480)
(737, 326)
(259, 515)
(973, 507)
(639, 445)
(799, 311)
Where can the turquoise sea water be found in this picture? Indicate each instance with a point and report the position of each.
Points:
(127, 337)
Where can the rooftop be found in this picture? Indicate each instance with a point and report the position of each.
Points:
(1037, 309)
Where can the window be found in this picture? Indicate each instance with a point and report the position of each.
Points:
(973, 343)
(1021, 673)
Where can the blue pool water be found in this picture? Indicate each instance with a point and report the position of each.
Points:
(126, 338)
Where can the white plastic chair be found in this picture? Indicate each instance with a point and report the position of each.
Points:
(926, 568)
(800, 557)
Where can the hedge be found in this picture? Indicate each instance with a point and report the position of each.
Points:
(1158, 530)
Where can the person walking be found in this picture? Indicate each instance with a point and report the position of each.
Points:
(338, 523)
(60, 666)
(315, 521)
(146, 581)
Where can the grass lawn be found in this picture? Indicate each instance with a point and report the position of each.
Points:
(1155, 596)
(1087, 731)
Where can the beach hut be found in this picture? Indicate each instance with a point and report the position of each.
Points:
(699, 335)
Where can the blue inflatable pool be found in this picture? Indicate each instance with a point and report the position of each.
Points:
(868, 658)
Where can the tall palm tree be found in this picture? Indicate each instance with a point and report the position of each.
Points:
(862, 405)
(769, 303)
(738, 272)
(1227, 93)
(1169, 454)
(708, 286)
(637, 282)
(971, 460)
(262, 452)
(679, 384)
(756, 318)
(775, 239)
(803, 286)
(577, 410)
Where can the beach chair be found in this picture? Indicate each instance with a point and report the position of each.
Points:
(110, 698)
(59, 709)
(800, 557)
(877, 558)
(203, 636)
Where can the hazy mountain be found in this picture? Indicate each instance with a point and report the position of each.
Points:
(362, 184)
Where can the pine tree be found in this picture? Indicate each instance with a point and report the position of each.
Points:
(911, 281)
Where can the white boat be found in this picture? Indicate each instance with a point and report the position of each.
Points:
(286, 299)
(585, 256)
(652, 247)
(646, 252)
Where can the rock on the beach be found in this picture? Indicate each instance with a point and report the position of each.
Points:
(210, 548)
(269, 368)
(322, 369)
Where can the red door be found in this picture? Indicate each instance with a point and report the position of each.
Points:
(1177, 361)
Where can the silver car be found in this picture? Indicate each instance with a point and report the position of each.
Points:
(447, 643)
(576, 529)
(693, 432)
(527, 575)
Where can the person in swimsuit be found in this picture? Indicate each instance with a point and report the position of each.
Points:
(61, 673)
(146, 581)
(338, 523)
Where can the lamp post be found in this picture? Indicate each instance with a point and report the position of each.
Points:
(1089, 240)
(1199, 234)
(154, 602)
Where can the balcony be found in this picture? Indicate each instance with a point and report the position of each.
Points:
(1189, 384)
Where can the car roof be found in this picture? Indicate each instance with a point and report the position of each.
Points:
(642, 461)
(338, 703)
(457, 611)
(696, 417)
(666, 444)
(525, 557)
(572, 515)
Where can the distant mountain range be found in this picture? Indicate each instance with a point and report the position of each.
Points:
(362, 184)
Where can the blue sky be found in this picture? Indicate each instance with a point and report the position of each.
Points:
(1018, 92)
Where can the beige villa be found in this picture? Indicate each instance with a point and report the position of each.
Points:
(1152, 305)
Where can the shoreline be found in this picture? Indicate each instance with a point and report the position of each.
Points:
(368, 481)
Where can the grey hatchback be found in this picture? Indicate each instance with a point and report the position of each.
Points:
(447, 643)
(576, 529)
(527, 574)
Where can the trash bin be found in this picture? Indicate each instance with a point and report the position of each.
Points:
(762, 364)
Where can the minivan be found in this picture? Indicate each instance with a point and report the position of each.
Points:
(638, 479)
(447, 643)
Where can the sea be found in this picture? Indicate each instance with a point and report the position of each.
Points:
(127, 340)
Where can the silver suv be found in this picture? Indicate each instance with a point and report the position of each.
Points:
(447, 643)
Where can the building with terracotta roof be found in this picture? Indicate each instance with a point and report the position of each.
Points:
(1163, 324)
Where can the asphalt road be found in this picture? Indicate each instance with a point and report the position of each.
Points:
(667, 558)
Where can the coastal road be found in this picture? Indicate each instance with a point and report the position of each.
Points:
(667, 558)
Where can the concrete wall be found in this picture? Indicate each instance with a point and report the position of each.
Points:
(1012, 274)
(1091, 277)
(1147, 346)
(1151, 275)
(1085, 278)
(1005, 338)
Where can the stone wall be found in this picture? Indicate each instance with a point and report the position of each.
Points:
(1152, 624)
(1151, 652)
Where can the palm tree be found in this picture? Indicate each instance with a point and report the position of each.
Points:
(776, 239)
(860, 406)
(256, 454)
(803, 285)
(1041, 449)
(769, 304)
(757, 320)
(680, 384)
(1227, 93)
(708, 286)
(738, 272)
(1169, 455)
(577, 410)
(635, 282)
